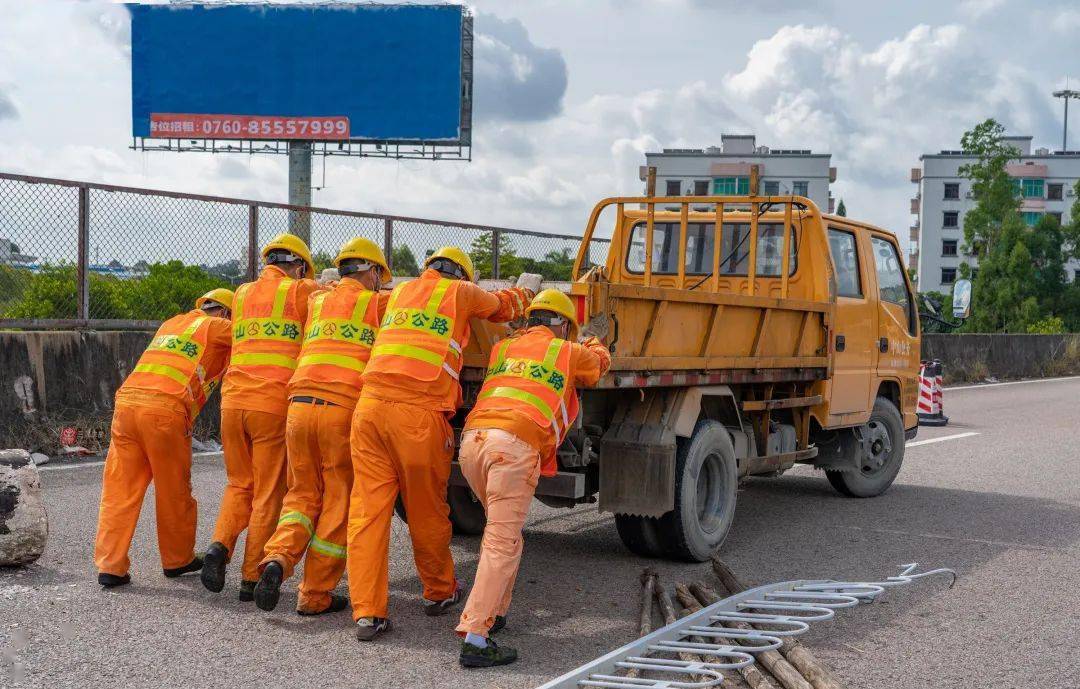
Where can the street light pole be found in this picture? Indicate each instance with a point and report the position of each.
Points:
(1066, 95)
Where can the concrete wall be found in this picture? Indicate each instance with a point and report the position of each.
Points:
(976, 357)
(49, 380)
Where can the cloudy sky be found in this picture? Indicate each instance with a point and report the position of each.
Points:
(569, 96)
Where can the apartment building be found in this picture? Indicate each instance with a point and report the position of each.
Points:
(1045, 178)
(726, 169)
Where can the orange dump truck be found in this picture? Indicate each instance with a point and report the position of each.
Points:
(748, 334)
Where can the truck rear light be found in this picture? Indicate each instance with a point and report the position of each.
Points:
(579, 308)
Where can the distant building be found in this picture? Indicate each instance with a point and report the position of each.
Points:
(1046, 180)
(10, 255)
(725, 169)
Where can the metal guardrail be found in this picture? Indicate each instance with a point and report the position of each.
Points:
(74, 254)
(785, 609)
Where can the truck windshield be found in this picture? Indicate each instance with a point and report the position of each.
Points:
(734, 249)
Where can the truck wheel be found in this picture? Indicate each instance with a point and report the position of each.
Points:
(466, 513)
(877, 468)
(706, 481)
(639, 534)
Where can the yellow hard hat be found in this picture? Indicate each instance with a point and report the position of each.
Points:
(365, 250)
(292, 244)
(220, 295)
(555, 301)
(456, 255)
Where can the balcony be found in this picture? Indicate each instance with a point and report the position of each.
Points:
(916, 174)
(915, 206)
(914, 233)
(832, 174)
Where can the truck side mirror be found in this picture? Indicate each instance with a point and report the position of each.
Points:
(961, 299)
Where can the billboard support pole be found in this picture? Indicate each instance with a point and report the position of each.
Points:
(253, 242)
(300, 188)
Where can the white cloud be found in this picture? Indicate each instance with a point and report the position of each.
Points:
(977, 9)
(516, 80)
(8, 110)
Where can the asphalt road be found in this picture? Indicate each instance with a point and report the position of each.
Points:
(1002, 507)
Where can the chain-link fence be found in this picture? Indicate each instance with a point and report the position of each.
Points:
(77, 254)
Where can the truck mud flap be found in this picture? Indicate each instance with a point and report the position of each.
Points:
(637, 456)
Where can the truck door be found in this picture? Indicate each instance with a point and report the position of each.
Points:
(898, 329)
(856, 326)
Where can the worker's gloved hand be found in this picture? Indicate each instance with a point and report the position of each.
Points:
(597, 327)
(529, 281)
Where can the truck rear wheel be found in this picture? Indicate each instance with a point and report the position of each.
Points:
(706, 482)
(466, 513)
(639, 534)
(876, 468)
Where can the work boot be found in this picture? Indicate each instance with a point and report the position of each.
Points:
(434, 608)
(194, 566)
(498, 625)
(247, 591)
(486, 656)
(213, 569)
(367, 628)
(268, 590)
(111, 581)
(338, 603)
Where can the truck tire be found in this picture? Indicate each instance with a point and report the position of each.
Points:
(466, 513)
(706, 482)
(877, 470)
(640, 535)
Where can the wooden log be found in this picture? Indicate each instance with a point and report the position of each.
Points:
(796, 653)
(773, 661)
(648, 586)
(752, 674)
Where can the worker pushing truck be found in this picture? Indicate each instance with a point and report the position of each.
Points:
(728, 336)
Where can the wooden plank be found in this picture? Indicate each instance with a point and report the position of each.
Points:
(801, 334)
(623, 291)
(784, 268)
(658, 313)
(682, 244)
(675, 363)
(718, 236)
(649, 226)
(782, 403)
(713, 331)
(759, 336)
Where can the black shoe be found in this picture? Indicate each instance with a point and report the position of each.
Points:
(338, 603)
(247, 591)
(194, 566)
(268, 590)
(434, 608)
(367, 628)
(489, 656)
(498, 625)
(213, 570)
(111, 581)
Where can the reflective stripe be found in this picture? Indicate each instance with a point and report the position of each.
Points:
(428, 357)
(180, 345)
(263, 360)
(297, 518)
(527, 398)
(327, 548)
(334, 360)
(163, 370)
(455, 346)
(238, 299)
(361, 305)
(450, 369)
(279, 298)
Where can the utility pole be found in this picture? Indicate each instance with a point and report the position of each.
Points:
(300, 188)
(1066, 95)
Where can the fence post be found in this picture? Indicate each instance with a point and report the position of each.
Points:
(253, 242)
(494, 254)
(388, 241)
(82, 271)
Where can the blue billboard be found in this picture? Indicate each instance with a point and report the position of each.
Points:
(331, 72)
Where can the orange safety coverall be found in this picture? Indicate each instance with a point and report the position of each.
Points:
(340, 330)
(151, 440)
(527, 403)
(268, 323)
(401, 436)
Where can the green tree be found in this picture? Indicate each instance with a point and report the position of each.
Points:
(168, 289)
(404, 261)
(52, 293)
(841, 209)
(996, 194)
(481, 253)
(322, 260)
(1004, 295)
(1071, 231)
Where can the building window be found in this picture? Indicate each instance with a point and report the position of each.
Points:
(1031, 218)
(800, 188)
(674, 187)
(701, 187)
(1076, 276)
(771, 187)
(948, 276)
(951, 219)
(948, 247)
(1030, 188)
(1057, 216)
(1053, 191)
(952, 190)
(731, 186)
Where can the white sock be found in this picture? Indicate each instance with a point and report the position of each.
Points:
(476, 640)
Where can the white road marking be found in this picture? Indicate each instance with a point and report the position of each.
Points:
(1012, 382)
(942, 438)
